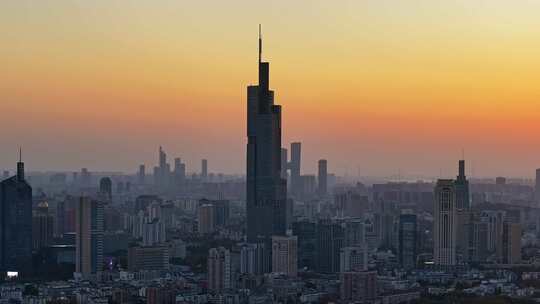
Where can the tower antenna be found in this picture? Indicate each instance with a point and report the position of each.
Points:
(20, 154)
(260, 44)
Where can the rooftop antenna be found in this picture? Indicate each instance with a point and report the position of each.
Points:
(20, 154)
(260, 44)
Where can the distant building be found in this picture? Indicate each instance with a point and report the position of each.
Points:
(205, 218)
(322, 177)
(294, 166)
(219, 270)
(253, 259)
(353, 259)
(330, 239)
(105, 189)
(358, 287)
(204, 169)
(221, 211)
(307, 234)
(511, 243)
(285, 255)
(141, 175)
(462, 188)
(42, 226)
(153, 232)
(16, 223)
(444, 221)
(407, 251)
(148, 258)
(537, 187)
(89, 237)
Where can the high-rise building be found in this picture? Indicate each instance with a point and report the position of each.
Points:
(285, 255)
(221, 211)
(204, 169)
(89, 237)
(16, 223)
(511, 243)
(179, 171)
(358, 287)
(407, 241)
(330, 239)
(355, 234)
(105, 189)
(205, 219)
(462, 188)
(253, 259)
(284, 163)
(294, 165)
(322, 178)
(141, 175)
(266, 191)
(353, 259)
(219, 270)
(445, 223)
(153, 232)
(537, 187)
(306, 231)
(42, 226)
(148, 258)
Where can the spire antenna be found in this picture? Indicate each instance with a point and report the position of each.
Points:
(20, 154)
(260, 44)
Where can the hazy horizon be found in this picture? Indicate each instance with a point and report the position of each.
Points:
(375, 86)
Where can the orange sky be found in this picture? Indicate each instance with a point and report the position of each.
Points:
(377, 85)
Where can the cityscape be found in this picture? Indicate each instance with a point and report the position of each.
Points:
(271, 231)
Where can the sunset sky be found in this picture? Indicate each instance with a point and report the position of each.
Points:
(377, 85)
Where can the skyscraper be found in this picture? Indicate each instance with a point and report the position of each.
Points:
(105, 189)
(445, 223)
(204, 169)
(265, 189)
(16, 223)
(89, 237)
(407, 241)
(142, 174)
(462, 188)
(296, 160)
(537, 187)
(42, 226)
(322, 178)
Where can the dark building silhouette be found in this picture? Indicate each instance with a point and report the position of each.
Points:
(323, 177)
(537, 187)
(42, 226)
(407, 241)
(330, 239)
(16, 223)
(462, 188)
(89, 237)
(105, 188)
(306, 231)
(142, 174)
(284, 163)
(294, 166)
(204, 169)
(266, 191)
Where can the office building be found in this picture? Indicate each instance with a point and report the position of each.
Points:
(462, 188)
(253, 259)
(294, 166)
(407, 250)
(16, 223)
(42, 226)
(445, 223)
(205, 219)
(322, 177)
(105, 189)
(511, 243)
(330, 239)
(266, 191)
(219, 270)
(306, 231)
(148, 258)
(285, 255)
(141, 175)
(89, 237)
(353, 259)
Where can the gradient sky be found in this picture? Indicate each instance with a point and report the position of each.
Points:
(377, 85)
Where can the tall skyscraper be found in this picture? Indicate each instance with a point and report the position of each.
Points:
(284, 163)
(179, 171)
(294, 165)
(266, 191)
(462, 188)
(42, 226)
(285, 255)
(253, 259)
(204, 169)
(16, 223)
(322, 178)
(537, 187)
(445, 223)
(89, 237)
(407, 241)
(205, 219)
(219, 269)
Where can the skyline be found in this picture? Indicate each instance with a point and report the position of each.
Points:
(376, 80)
